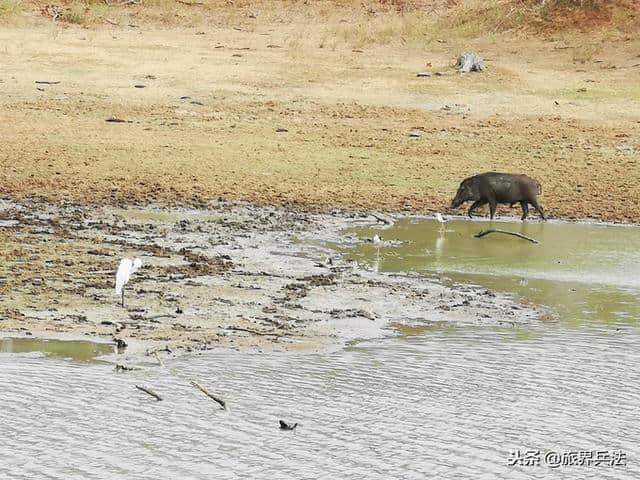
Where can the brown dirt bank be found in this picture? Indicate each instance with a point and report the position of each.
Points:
(275, 112)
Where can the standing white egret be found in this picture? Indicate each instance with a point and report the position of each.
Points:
(440, 220)
(127, 268)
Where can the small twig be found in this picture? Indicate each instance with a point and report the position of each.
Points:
(47, 82)
(515, 234)
(191, 4)
(255, 332)
(108, 20)
(219, 400)
(149, 392)
(163, 315)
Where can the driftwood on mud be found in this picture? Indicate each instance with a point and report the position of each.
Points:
(516, 234)
(149, 392)
(254, 332)
(166, 348)
(162, 315)
(382, 218)
(213, 397)
(117, 120)
(470, 62)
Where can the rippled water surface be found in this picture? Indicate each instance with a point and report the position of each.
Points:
(434, 405)
(429, 402)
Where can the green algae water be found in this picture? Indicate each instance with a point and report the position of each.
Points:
(582, 272)
(75, 350)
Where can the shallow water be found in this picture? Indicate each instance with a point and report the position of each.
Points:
(433, 401)
(583, 272)
(434, 405)
(75, 350)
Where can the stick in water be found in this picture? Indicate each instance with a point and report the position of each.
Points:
(516, 234)
(149, 392)
(220, 401)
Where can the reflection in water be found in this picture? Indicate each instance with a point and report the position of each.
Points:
(440, 405)
(439, 245)
(584, 272)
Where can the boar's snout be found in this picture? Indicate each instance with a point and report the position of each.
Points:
(460, 198)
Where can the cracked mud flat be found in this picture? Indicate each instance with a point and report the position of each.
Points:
(219, 276)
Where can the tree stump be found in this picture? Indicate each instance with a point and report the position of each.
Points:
(470, 62)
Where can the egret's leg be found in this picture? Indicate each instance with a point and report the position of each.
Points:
(122, 303)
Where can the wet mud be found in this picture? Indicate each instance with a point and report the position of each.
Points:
(221, 275)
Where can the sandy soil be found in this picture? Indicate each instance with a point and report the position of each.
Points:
(228, 276)
(281, 112)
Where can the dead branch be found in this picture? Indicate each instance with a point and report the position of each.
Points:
(53, 11)
(515, 234)
(149, 392)
(191, 4)
(159, 349)
(254, 332)
(123, 3)
(47, 82)
(219, 400)
(162, 315)
(382, 218)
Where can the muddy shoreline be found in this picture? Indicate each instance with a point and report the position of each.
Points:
(223, 275)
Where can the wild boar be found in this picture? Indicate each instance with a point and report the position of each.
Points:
(494, 188)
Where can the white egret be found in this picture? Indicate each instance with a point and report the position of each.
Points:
(127, 268)
(376, 240)
(440, 220)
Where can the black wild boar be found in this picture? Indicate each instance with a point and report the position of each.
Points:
(494, 188)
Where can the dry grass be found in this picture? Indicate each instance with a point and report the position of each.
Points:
(544, 107)
(357, 23)
(11, 8)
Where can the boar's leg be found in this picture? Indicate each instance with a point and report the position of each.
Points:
(539, 208)
(476, 204)
(492, 207)
(525, 209)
